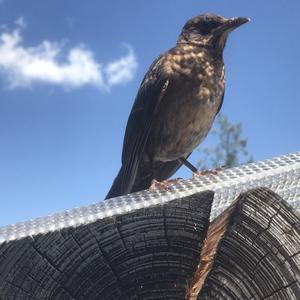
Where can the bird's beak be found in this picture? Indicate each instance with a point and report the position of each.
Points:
(236, 22)
(230, 25)
(220, 34)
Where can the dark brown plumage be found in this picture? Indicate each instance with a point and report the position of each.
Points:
(176, 104)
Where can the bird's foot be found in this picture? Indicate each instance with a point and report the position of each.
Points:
(163, 185)
(208, 172)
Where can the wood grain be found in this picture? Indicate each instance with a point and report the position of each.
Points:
(258, 251)
(146, 254)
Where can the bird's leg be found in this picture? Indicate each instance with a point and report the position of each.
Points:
(197, 172)
(185, 162)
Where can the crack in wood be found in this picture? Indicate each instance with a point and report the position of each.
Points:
(50, 263)
(107, 261)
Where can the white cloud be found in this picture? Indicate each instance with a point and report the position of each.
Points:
(22, 66)
(121, 70)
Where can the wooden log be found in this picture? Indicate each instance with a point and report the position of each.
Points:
(252, 251)
(146, 254)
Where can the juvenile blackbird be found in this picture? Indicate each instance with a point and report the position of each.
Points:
(176, 104)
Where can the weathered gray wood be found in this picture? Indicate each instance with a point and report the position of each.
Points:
(146, 254)
(252, 251)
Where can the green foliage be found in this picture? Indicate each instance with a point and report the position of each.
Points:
(230, 148)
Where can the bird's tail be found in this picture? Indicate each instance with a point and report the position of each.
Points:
(143, 178)
(116, 188)
(141, 182)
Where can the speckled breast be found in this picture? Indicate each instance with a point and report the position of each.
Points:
(191, 101)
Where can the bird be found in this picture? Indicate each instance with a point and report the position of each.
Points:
(176, 104)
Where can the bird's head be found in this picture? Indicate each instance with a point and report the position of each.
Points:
(209, 30)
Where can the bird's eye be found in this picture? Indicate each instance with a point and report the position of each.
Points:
(206, 27)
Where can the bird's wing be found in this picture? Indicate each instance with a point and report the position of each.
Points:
(220, 105)
(150, 94)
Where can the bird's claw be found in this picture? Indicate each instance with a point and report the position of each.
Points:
(163, 185)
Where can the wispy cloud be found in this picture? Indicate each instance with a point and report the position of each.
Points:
(20, 22)
(23, 66)
(121, 70)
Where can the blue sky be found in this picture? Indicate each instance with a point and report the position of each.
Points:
(69, 72)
